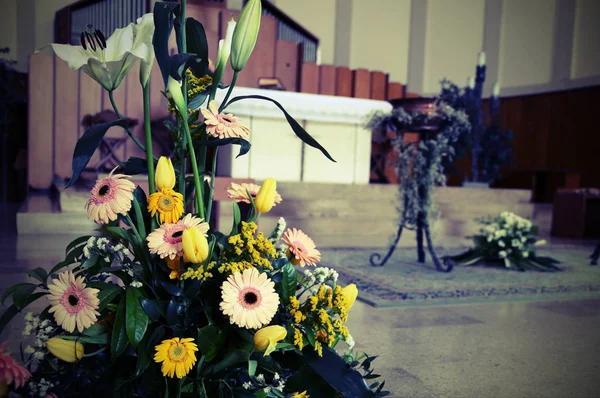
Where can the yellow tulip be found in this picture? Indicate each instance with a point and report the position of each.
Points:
(67, 350)
(265, 198)
(245, 34)
(266, 338)
(165, 174)
(350, 292)
(195, 246)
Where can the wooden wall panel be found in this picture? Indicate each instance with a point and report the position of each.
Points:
(309, 78)
(378, 85)
(66, 101)
(287, 57)
(394, 90)
(343, 81)
(260, 63)
(327, 79)
(361, 87)
(41, 121)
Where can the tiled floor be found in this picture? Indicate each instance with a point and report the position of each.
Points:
(518, 349)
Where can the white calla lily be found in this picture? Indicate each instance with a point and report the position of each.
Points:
(108, 61)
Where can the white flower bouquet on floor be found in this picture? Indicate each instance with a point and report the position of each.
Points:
(510, 240)
(160, 303)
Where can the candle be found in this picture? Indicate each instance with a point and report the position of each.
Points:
(481, 59)
(496, 90)
(471, 82)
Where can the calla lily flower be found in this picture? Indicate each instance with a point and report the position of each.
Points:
(108, 60)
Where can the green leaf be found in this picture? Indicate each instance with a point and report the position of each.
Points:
(252, 364)
(298, 130)
(99, 339)
(210, 340)
(107, 294)
(146, 349)
(136, 320)
(198, 100)
(237, 217)
(58, 267)
(87, 144)
(289, 282)
(118, 342)
(38, 273)
(77, 242)
(244, 145)
(164, 15)
(197, 44)
(134, 165)
(94, 330)
(10, 290)
(22, 294)
(231, 358)
(151, 308)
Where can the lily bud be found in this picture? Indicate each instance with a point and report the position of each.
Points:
(265, 198)
(266, 338)
(174, 88)
(245, 35)
(350, 292)
(224, 51)
(67, 350)
(165, 174)
(195, 246)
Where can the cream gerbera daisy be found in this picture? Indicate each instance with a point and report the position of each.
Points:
(110, 197)
(222, 125)
(249, 299)
(168, 204)
(166, 240)
(178, 356)
(239, 192)
(73, 304)
(10, 371)
(302, 249)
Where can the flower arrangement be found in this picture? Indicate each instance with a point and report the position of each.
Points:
(509, 239)
(160, 303)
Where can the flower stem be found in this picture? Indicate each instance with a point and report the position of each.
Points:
(140, 218)
(199, 192)
(233, 81)
(148, 133)
(212, 184)
(129, 132)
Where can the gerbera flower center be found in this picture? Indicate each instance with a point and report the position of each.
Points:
(227, 119)
(166, 203)
(177, 352)
(250, 298)
(104, 190)
(73, 300)
(177, 234)
(299, 247)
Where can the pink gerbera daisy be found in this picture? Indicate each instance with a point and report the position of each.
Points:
(72, 303)
(222, 125)
(239, 192)
(249, 299)
(110, 197)
(166, 240)
(10, 370)
(301, 247)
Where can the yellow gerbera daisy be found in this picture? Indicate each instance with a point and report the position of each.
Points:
(177, 356)
(168, 204)
(302, 394)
